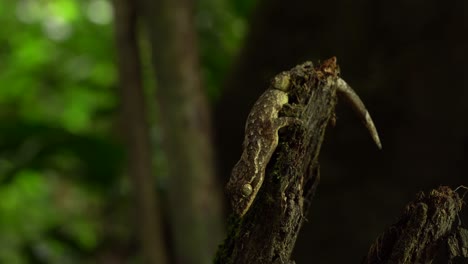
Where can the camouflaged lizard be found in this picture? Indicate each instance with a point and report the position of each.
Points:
(261, 138)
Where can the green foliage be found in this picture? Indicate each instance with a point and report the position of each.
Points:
(59, 164)
(57, 85)
(94, 161)
(52, 71)
(27, 220)
(57, 104)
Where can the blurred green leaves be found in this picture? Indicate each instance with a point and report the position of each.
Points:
(26, 191)
(90, 159)
(56, 64)
(59, 162)
(57, 110)
(30, 208)
(24, 214)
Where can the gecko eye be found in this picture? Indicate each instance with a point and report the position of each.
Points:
(246, 190)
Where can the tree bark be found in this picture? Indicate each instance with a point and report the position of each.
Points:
(429, 231)
(136, 132)
(267, 233)
(194, 194)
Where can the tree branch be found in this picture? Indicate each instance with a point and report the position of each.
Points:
(268, 231)
(428, 231)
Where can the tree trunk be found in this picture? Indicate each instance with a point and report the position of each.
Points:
(136, 130)
(267, 233)
(194, 194)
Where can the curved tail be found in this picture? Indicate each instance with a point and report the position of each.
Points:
(346, 92)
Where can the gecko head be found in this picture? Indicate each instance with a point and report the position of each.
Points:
(282, 81)
(246, 179)
(241, 194)
(242, 197)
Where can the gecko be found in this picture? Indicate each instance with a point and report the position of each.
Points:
(261, 138)
(260, 141)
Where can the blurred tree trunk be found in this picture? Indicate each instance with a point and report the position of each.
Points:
(194, 195)
(135, 126)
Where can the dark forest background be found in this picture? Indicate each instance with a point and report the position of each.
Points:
(120, 120)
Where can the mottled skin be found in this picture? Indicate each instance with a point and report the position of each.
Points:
(260, 142)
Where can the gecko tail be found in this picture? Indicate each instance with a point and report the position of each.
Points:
(345, 91)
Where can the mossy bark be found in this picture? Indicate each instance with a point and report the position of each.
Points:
(268, 231)
(428, 231)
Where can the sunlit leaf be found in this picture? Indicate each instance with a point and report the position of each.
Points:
(67, 9)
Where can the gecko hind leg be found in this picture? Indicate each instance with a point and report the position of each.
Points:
(346, 92)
